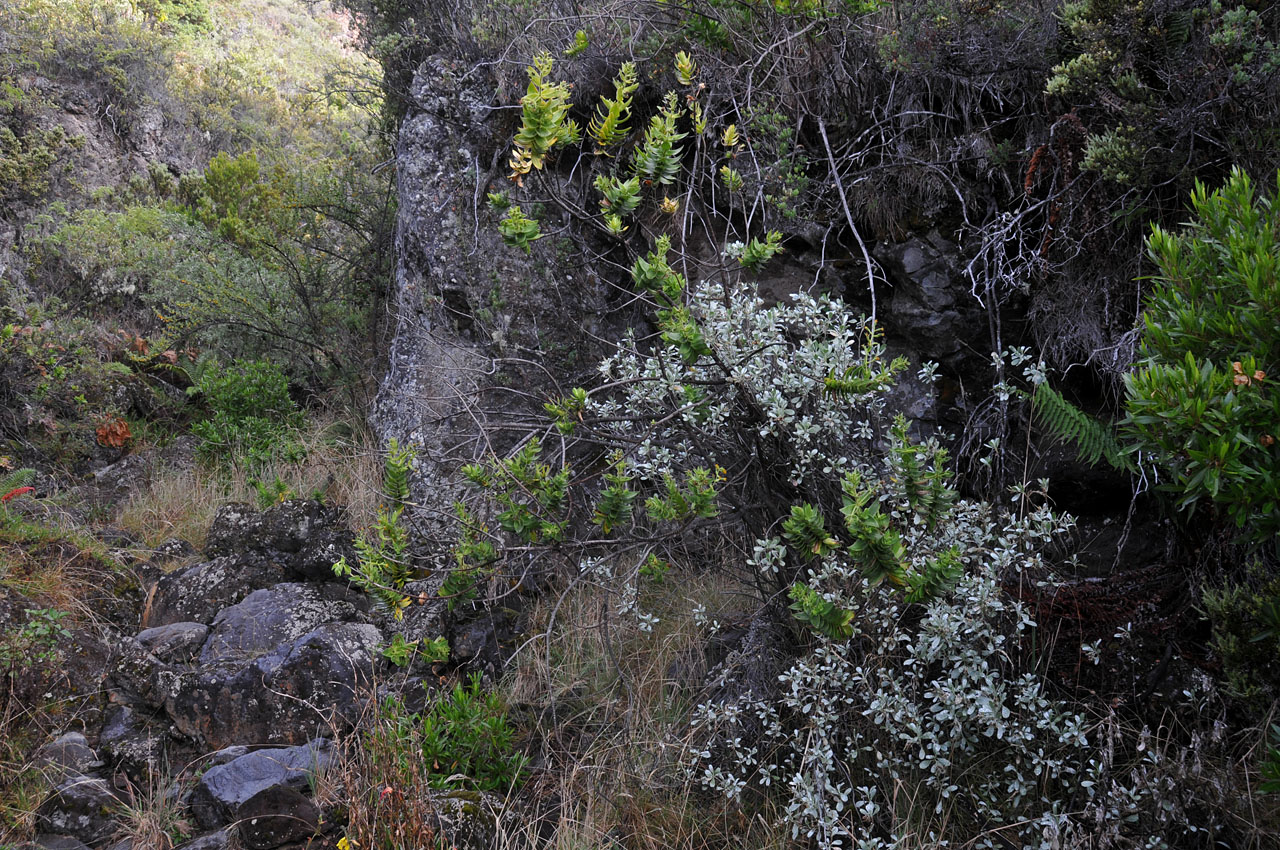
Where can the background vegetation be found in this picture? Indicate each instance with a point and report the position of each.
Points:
(725, 596)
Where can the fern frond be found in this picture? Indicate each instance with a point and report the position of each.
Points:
(16, 483)
(1094, 440)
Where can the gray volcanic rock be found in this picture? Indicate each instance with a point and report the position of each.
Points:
(281, 697)
(134, 742)
(69, 754)
(302, 536)
(174, 643)
(931, 306)
(54, 842)
(219, 840)
(463, 300)
(82, 807)
(276, 816)
(137, 676)
(269, 617)
(197, 594)
(222, 790)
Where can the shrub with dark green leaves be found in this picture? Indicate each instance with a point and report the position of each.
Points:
(1246, 635)
(462, 740)
(1204, 400)
(251, 414)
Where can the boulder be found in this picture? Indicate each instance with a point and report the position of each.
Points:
(55, 842)
(303, 536)
(173, 549)
(269, 617)
(275, 816)
(134, 742)
(198, 593)
(136, 676)
(224, 789)
(82, 807)
(930, 305)
(219, 840)
(66, 755)
(174, 643)
(280, 697)
(466, 818)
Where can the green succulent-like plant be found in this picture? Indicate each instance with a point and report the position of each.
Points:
(657, 160)
(545, 119)
(518, 230)
(609, 126)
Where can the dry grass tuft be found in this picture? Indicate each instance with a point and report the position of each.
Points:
(153, 817)
(342, 465)
(610, 705)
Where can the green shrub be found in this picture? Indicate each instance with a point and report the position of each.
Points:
(26, 162)
(463, 739)
(251, 414)
(1203, 400)
(407, 769)
(1246, 635)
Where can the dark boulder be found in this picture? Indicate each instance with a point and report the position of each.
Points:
(302, 536)
(82, 807)
(198, 593)
(275, 816)
(747, 674)
(136, 676)
(271, 616)
(54, 842)
(175, 643)
(219, 840)
(224, 789)
(67, 755)
(930, 305)
(134, 742)
(282, 697)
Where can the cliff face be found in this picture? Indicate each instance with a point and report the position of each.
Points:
(482, 332)
(485, 334)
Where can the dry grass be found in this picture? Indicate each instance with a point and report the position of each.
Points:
(342, 466)
(153, 817)
(610, 704)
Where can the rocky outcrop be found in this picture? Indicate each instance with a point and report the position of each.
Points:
(930, 307)
(235, 657)
(301, 536)
(473, 317)
(283, 697)
(175, 642)
(198, 593)
(276, 615)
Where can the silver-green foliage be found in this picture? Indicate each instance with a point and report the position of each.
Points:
(759, 378)
(943, 707)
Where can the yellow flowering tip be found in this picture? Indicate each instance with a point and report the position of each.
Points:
(344, 843)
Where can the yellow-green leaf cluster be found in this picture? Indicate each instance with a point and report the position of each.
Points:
(609, 127)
